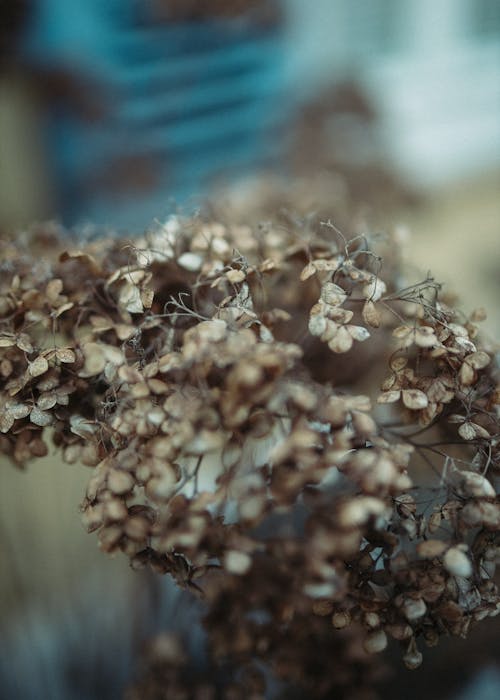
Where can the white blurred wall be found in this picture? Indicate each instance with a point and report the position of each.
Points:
(431, 67)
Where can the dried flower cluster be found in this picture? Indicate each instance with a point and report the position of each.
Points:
(184, 368)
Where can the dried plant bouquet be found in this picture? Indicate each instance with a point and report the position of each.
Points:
(218, 379)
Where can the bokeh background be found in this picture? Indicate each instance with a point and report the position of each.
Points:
(116, 113)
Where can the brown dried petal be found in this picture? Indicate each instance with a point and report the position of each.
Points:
(65, 355)
(130, 298)
(38, 367)
(235, 276)
(6, 422)
(47, 401)
(82, 427)
(412, 658)
(120, 482)
(95, 360)
(124, 331)
(308, 271)
(375, 289)
(23, 342)
(341, 619)
(6, 368)
(359, 510)
(237, 562)
(53, 289)
(479, 315)
(137, 528)
(64, 307)
(474, 484)
(467, 431)
(431, 548)
(147, 296)
(332, 294)
(457, 562)
(7, 341)
(414, 399)
(317, 324)
(464, 345)
(414, 608)
(402, 332)
(205, 441)
(478, 360)
(370, 314)
(19, 410)
(467, 374)
(425, 337)
(341, 342)
(398, 363)
(330, 265)
(375, 642)
(389, 396)
(340, 315)
(190, 261)
(39, 417)
(358, 332)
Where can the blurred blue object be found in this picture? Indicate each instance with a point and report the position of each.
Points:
(180, 107)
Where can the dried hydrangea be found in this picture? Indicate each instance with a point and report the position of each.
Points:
(212, 376)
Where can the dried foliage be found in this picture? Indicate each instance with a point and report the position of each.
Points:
(199, 372)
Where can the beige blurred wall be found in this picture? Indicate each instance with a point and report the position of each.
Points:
(26, 191)
(455, 234)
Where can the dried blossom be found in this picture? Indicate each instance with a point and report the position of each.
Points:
(183, 368)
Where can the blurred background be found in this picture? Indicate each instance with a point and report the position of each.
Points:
(117, 113)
